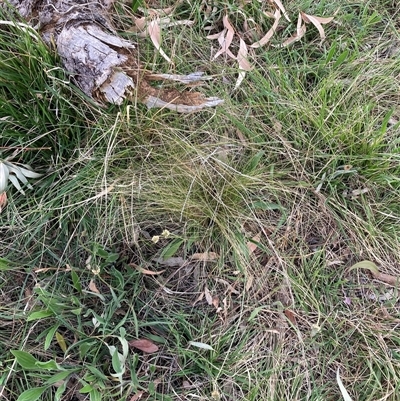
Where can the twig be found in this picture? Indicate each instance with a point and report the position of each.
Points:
(21, 148)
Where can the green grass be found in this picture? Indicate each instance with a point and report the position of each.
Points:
(277, 165)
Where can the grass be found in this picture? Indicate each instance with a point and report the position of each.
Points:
(290, 182)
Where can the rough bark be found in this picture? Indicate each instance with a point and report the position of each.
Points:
(101, 63)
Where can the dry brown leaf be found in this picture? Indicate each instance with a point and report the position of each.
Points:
(230, 288)
(300, 32)
(198, 299)
(322, 20)
(225, 39)
(140, 24)
(284, 12)
(251, 246)
(215, 302)
(3, 201)
(205, 256)
(92, 287)
(137, 396)
(208, 295)
(215, 35)
(266, 38)
(291, 316)
(387, 278)
(317, 22)
(244, 64)
(269, 14)
(154, 31)
(144, 345)
(249, 282)
(242, 57)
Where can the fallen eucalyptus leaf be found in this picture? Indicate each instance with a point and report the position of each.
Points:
(154, 31)
(144, 345)
(345, 394)
(266, 38)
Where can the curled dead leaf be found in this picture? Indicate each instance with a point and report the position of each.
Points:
(242, 57)
(137, 396)
(3, 201)
(291, 316)
(154, 31)
(93, 287)
(144, 345)
(266, 38)
(282, 8)
(300, 32)
(244, 64)
(225, 38)
(145, 271)
(317, 22)
(209, 297)
(215, 302)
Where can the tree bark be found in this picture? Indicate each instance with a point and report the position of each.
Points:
(103, 65)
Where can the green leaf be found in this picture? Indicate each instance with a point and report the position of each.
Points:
(253, 162)
(366, 264)
(157, 339)
(5, 264)
(40, 315)
(25, 360)
(116, 274)
(112, 257)
(95, 395)
(97, 250)
(76, 312)
(49, 337)
(87, 388)
(32, 394)
(255, 312)
(331, 53)
(60, 391)
(116, 363)
(76, 281)
(49, 365)
(341, 59)
(85, 346)
(385, 121)
(135, 5)
(61, 341)
(96, 372)
(60, 376)
(171, 248)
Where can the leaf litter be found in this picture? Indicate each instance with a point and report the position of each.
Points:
(144, 345)
(229, 37)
